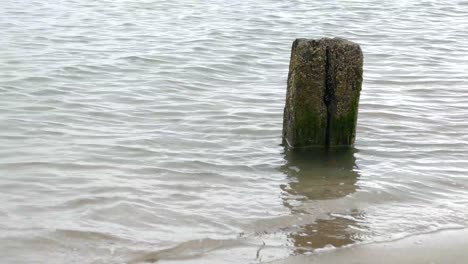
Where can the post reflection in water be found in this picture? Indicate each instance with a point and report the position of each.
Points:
(316, 177)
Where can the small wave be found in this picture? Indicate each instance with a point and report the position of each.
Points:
(187, 250)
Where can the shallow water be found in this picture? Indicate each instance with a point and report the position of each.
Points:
(136, 131)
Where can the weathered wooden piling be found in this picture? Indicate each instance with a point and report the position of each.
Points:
(324, 84)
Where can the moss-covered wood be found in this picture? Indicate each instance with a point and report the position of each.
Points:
(324, 83)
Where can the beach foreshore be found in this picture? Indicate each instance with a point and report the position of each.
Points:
(449, 246)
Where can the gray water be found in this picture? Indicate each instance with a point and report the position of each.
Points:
(143, 131)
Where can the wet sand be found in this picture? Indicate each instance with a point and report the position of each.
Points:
(441, 247)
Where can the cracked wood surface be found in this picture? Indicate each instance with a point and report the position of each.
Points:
(323, 88)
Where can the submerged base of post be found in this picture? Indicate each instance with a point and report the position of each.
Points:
(324, 84)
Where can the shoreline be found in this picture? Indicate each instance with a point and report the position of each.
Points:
(446, 246)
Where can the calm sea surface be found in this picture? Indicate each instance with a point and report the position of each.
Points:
(149, 131)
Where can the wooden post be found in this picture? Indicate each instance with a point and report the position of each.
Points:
(324, 84)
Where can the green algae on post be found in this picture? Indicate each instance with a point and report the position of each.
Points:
(324, 84)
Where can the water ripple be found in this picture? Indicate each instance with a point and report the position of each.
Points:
(146, 130)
